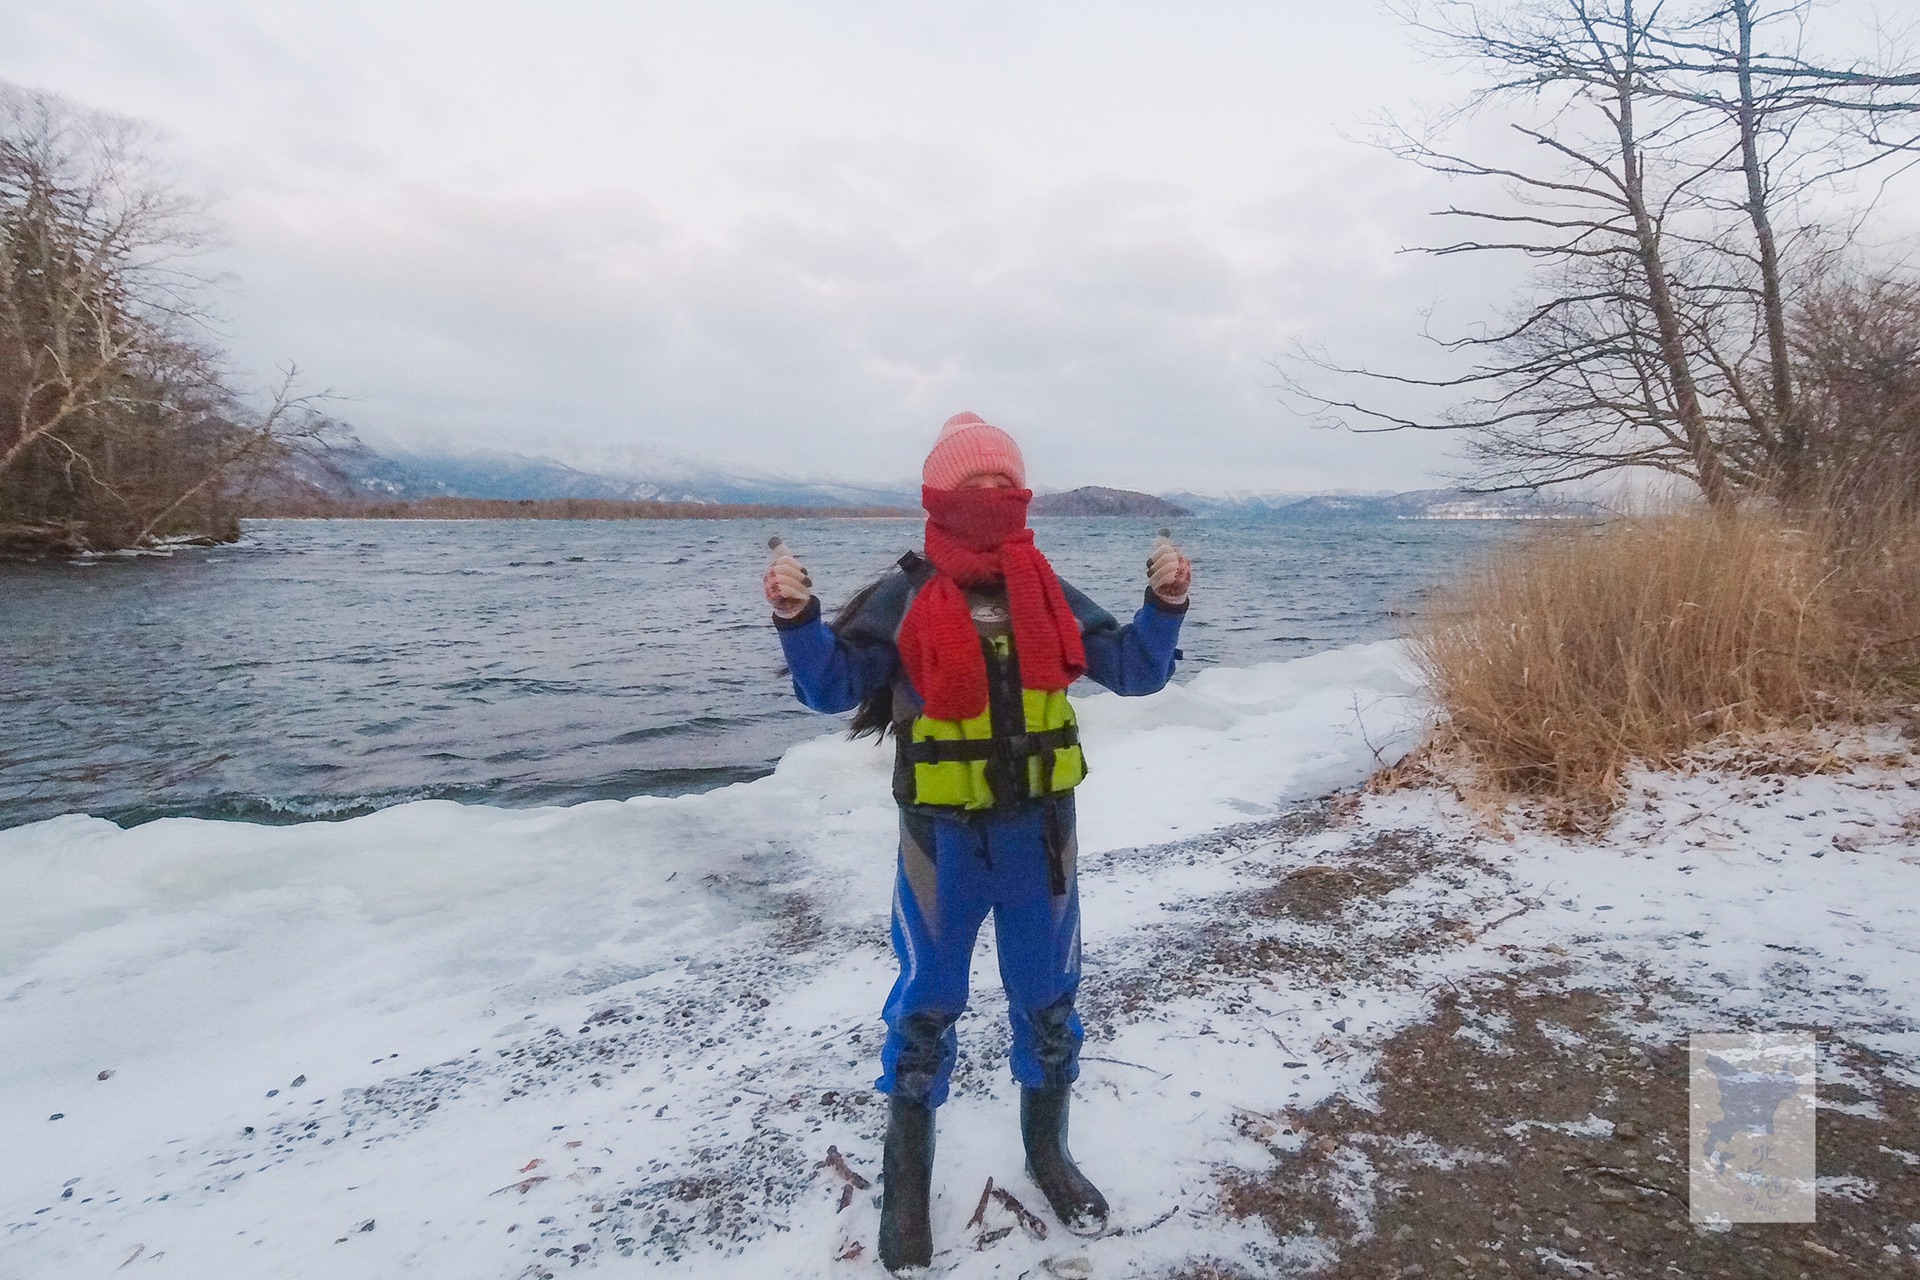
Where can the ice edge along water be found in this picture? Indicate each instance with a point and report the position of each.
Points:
(512, 1040)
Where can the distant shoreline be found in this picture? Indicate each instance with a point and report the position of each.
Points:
(556, 509)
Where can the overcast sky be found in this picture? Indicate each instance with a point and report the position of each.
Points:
(798, 236)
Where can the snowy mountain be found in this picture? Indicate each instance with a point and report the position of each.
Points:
(348, 468)
(1415, 504)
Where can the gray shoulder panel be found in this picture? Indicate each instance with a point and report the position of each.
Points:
(1092, 617)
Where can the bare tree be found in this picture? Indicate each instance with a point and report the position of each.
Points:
(117, 423)
(1660, 149)
(1802, 126)
(88, 237)
(1857, 349)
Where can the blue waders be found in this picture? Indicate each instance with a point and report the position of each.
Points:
(952, 871)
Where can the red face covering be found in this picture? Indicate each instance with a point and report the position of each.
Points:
(978, 519)
(976, 537)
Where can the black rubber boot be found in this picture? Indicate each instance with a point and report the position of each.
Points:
(1043, 1127)
(906, 1183)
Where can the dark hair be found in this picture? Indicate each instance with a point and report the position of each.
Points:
(874, 715)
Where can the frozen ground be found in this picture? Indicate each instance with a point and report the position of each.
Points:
(455, 1041)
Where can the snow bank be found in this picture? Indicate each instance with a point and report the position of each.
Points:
(1723, 902)
(466, 1042)
(246, 1032)
(1766, 903)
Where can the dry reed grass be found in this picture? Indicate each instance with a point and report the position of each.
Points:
(1581, 650)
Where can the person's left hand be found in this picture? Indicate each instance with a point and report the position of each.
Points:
(1169, 572)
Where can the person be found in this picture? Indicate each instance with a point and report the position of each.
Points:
(965, 653)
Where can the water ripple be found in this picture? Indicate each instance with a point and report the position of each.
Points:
(326, 669)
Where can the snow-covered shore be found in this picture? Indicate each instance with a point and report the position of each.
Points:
(459, 1041)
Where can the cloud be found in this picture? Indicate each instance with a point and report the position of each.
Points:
(796, 237)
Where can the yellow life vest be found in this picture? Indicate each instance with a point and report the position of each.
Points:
(1027, 746)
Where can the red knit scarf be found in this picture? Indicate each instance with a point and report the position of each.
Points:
(976, 537)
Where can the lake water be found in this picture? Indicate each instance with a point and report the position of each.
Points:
(328, 668)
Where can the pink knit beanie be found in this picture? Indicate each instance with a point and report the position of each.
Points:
(969, 447)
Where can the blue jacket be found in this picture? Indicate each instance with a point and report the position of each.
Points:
(837, 669)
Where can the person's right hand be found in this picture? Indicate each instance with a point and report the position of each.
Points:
(787, 584)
